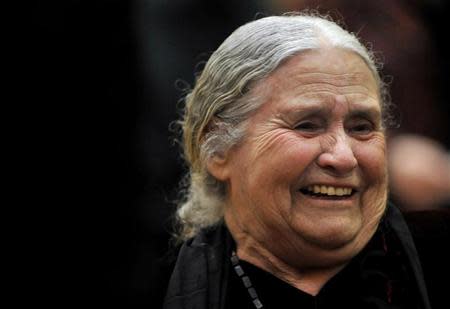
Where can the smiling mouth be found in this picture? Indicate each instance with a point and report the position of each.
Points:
(329, 192)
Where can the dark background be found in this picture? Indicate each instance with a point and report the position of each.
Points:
(104, 80)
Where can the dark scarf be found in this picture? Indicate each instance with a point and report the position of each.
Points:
(201, 274)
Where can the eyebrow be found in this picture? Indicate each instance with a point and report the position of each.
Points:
(316, 109)
(310, 110)
(365, 112)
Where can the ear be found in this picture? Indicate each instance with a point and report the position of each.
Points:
(218, 166)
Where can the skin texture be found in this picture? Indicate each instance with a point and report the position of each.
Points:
(320, 123)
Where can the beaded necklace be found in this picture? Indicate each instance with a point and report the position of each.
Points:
(246, 281)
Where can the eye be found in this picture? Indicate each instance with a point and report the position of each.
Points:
(361, 127)
(309, 126)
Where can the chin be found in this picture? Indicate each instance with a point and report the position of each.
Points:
(334, 236)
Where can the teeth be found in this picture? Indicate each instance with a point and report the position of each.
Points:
(328, 190)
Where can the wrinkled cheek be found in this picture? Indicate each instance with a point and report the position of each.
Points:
(373, 164)
(374, 201)
(372, 161)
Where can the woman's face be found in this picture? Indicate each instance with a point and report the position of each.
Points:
(310, 173)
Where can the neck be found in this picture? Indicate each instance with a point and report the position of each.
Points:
(308, 279)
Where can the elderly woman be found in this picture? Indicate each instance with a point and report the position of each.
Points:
(284, 135)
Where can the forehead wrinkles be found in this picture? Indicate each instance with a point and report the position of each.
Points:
(320, 82)
(336, 79)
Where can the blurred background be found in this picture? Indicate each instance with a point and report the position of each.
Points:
(114, 73)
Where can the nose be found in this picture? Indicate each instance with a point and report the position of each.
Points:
(337, 155)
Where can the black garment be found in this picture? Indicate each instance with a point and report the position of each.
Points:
(375, 278)
(201, 276)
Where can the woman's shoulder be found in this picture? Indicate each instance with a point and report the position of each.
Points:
(427, 225)
(430, 230)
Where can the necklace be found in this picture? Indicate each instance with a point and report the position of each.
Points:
(245, 280)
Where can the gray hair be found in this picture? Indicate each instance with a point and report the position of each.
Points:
(217, 108)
